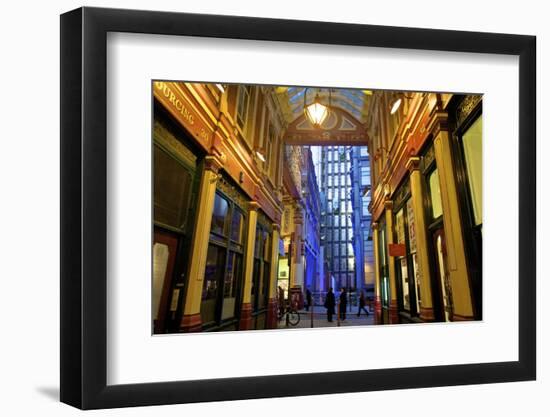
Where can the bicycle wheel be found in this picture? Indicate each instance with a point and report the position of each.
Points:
(293, 318)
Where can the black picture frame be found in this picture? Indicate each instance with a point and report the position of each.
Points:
(84, 207)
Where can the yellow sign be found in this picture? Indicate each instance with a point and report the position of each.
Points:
(176, 102)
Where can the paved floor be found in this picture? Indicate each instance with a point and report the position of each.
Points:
(320, 319)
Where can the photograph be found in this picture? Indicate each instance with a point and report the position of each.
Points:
(299, 207)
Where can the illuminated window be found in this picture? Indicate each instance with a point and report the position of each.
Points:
(435, 194)
(471, 141)
(243, 100)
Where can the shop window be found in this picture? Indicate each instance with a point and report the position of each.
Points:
(471, 141)
(172, 190)
(232, 273)
(224, 263)
(219, 215)
(412, 251)
(243, 101)
(384, 272)
(237, 226)
(435, 194)
(402, 260)
(215, 263)
(260, 275)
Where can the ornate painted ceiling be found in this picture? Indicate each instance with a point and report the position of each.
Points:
(343, 126)
(350, 100)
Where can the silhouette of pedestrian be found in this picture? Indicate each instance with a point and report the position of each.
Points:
(308, 299)
(330, 302)
(343, 303)
(362, 303)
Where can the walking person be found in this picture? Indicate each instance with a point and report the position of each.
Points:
(308, 299)
(281, 299)
(362, 303)
(343, 303)
(330, 302)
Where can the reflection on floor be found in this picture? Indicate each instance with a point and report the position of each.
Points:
(320, 319)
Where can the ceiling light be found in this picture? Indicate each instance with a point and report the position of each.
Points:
(396, 104)
(260, 155)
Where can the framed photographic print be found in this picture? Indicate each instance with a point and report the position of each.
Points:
(256, 208)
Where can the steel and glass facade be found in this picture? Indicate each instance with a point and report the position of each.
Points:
(361, 218)
(337, 225)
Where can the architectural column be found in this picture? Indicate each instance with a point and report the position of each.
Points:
(191, 319)
(461, 300)
(377, 300)
(272, 303)
(394, 317)
(297, 267)
(420, 230)
(246, 308)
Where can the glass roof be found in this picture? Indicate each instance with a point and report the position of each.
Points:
(350, 100)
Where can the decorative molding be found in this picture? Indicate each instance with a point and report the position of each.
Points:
(466, 106)
(168, 140)
(428, 157)
(213, 163)
(339, 128)
(400, 195)
(233, 192)
(413, 164)
(253, 206)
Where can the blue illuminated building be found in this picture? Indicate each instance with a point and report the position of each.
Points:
(361, 218)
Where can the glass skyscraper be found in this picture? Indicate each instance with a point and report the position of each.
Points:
(336, 219)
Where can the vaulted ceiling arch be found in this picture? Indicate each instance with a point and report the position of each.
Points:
(345, 124)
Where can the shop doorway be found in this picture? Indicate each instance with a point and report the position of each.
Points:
(442, 273)
(165, 245)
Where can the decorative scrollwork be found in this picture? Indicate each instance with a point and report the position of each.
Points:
(466, 106)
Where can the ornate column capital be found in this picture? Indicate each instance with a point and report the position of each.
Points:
(276, 227)
(413, 164)
(213, 163)
(375, 225)
(253, 205)
(388, 204)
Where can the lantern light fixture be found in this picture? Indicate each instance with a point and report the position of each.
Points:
(316, 112)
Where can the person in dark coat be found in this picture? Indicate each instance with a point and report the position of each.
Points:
(308, 299)
(362, 303)
(330, 303)
(343, 303)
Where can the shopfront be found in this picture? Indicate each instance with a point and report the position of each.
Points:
(437, 246)
(383, 273)
(223, 275)
(467, 140)
(259, 293)
(175, 182)
(406, 261)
